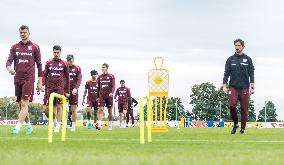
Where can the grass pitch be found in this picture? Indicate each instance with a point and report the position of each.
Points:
(121, 146)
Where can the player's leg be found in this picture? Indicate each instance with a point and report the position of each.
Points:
(58, 115)
(124, 111)
(45, 106)
(18, 94)
(127, 117)
(29, 129)
(109, 118)
(101, 103)
(233, 100)
(69, 118)
(109, 104)
(132, 117)
(124, 116)
(23, 93)
(120, 111)
(22, 116)
(89, 117)
(74, 103)
(244, 102)
(95, 108)
(100, 118)
(74, 114)
(59, 107)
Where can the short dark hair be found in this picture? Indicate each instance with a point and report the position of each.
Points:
(22, 27)
(105, 64)
(93, 72)
(240, 41)
(70, 57)
(122, 81)
(57, 47)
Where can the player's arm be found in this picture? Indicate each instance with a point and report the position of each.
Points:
(113, 84)
(85, 93)
(128, 93)
(226, 75)
(39, 68)
(43, 78)
(251, 75)
(46, 71)
(98, 84)
(10, 60)
(67, 80)
(79, 78)
(116, 93)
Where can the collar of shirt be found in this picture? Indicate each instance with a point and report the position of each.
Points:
(28, 42)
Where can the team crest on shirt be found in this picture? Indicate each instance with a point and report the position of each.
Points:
(60, 64)
(30, 48)
(245, 60)
(73, 70)
(107, 77)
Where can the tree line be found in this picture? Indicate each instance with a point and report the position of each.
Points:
(208, 102)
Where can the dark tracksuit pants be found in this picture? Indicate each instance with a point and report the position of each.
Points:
(129, 112)
(241, 95)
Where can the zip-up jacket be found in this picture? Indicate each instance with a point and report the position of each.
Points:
(240, 69)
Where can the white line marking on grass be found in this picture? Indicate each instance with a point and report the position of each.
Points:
(154, 140)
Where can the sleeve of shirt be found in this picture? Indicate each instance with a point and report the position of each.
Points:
(113, 84)
(43, 78)
(251, 71)
(86, 86)
(79, 80)
(45, 73)
(38, 61)
(97, 94)
(116, 93)
(11, 57)
(67, 79)
(98, 84)
(129, 93)
(227, 71)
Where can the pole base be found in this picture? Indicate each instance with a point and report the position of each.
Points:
(161, 130)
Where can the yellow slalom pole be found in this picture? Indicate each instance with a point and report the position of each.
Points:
(149, 120)
(50, 119)
(63, 135)
(165, 113)
(161, 111)
(156, 111)
(141, 121)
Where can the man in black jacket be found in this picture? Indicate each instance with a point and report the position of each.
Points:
(239, 67)
(131, 104)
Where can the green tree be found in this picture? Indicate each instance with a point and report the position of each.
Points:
(175, 109)
(251, 111)
(207, 101)
(270, 113)
(35, 111)
(8, 105)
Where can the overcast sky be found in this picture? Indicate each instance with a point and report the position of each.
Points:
(194, 37)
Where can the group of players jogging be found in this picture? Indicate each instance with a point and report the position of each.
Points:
(64, 77)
